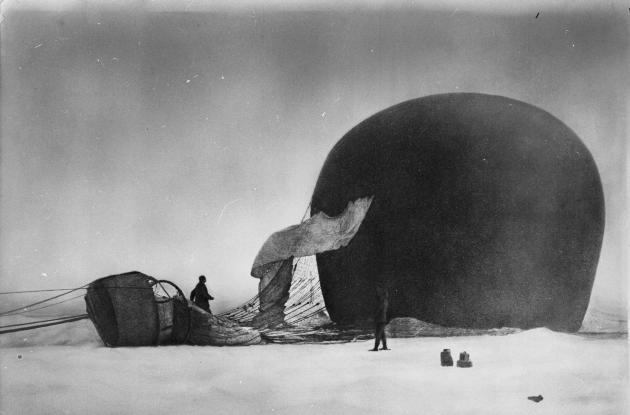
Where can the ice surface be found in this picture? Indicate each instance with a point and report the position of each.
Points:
(575, 374)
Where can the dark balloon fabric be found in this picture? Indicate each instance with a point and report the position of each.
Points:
(487, 212)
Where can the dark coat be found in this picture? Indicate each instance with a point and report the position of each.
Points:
(381, 312)
(200, 296)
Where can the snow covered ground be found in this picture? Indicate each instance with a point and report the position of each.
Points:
(64, 370)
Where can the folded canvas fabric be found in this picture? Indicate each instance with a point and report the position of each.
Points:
(320, 233)
(273, 264)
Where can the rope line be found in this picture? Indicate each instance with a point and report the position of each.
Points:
(68, 320)
(8, 312)
(84, 287)
(22, 311)
(36, 291)
(36, 322)
(69, 290)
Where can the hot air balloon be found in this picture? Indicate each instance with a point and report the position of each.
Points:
(486, 212)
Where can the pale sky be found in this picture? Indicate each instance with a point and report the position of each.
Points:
(173, 140)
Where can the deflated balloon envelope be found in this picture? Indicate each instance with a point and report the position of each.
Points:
(487, 212)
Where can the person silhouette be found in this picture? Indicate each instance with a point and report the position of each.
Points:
(380, 319)
(200, 295)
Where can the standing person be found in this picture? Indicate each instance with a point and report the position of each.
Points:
(380, 319)
(200, 295)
